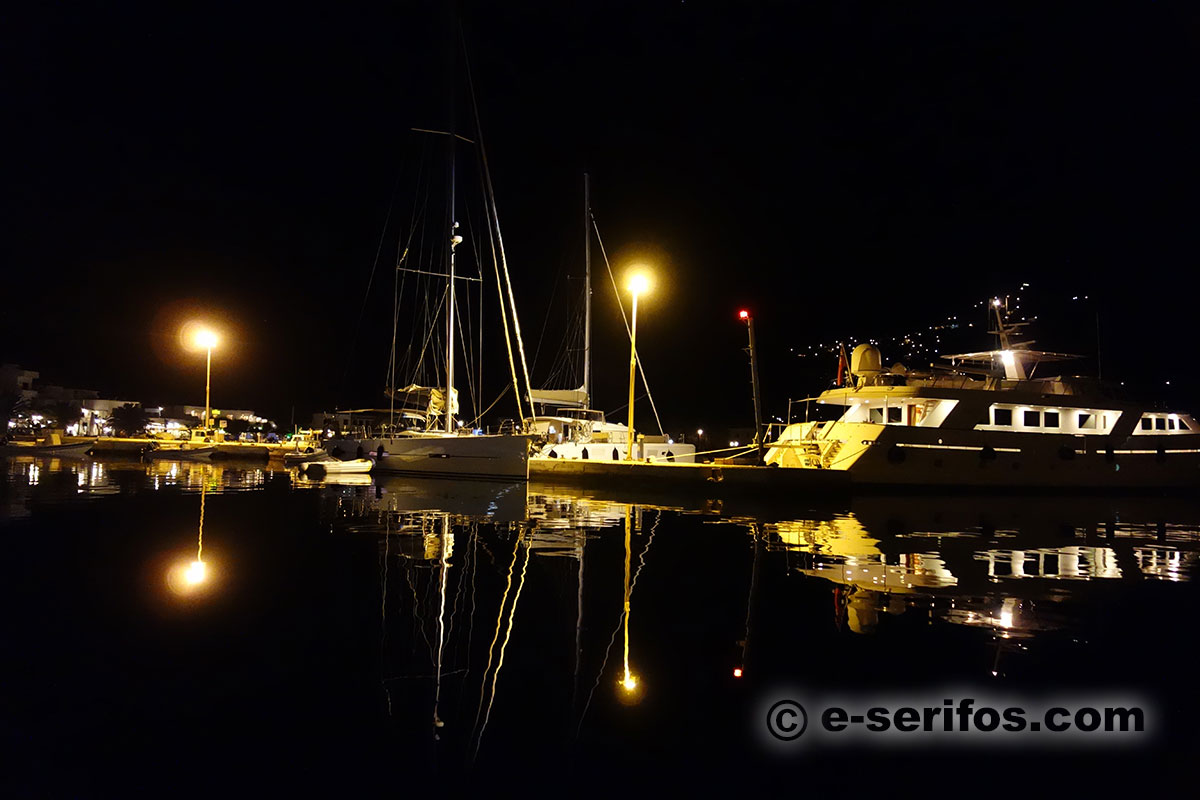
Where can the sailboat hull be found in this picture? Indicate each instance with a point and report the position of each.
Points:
(480, 457)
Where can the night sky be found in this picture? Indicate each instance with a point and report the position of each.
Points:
(843, 172)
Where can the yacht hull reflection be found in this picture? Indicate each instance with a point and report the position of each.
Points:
(500, 501)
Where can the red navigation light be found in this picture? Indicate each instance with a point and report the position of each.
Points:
(737, 671)
(743, 314)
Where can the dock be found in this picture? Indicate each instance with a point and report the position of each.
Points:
(716, 481)
(135, 446)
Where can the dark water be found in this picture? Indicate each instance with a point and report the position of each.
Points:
(380, 635)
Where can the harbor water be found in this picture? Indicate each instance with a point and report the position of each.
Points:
(184, 628)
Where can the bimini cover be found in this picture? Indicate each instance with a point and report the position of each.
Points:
(564, 398)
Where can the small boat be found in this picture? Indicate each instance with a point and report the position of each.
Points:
(183, 453)
(69, 450)
(296, 459)
(349, 479)
(336, 467)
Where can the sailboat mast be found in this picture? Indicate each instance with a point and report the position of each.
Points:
(587, 293)
(454, 240)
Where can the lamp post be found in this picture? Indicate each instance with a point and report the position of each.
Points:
(208, 340)
(639, 282)
(744, 316)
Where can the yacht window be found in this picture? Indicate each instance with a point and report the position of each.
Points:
(1170, 424)
(1183, 426)
(875, 415)
(1147, 424)
(1086, 420)
(895, 414)
(1160, 424)
(1051, 419)
(1002, 416)
(1033, 419)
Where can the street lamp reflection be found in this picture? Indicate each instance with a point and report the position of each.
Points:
(190, 577)
(631, 693)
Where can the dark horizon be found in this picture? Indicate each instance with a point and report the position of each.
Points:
(842, 175)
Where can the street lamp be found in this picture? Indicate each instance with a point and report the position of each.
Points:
(207, 340)
(639, 283)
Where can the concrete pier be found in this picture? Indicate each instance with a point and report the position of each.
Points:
(707, 480)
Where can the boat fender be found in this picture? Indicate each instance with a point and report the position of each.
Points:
(616, 454)
(1160, 455)
(1109, 455)
(1066, 452)
(584, 454)
(988, 453)
(670, 456)
(552, 454)
(896, 454)
(360, 452)
(379, 452)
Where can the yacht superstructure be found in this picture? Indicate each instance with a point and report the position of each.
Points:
(583, 433)
(986, 422)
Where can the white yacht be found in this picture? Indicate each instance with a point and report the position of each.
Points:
(985, 421)
(423, 436)
(419, 444)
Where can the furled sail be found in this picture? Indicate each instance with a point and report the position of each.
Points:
(563, 398)
(429, 399)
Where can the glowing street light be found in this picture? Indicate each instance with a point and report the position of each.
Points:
(207, 340)
(639, 283)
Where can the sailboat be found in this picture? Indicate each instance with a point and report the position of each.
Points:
(575, 430)
(453, 451)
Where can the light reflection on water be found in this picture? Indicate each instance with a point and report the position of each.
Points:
(480, 583)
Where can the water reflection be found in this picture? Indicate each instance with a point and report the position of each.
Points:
(192, 577)
(508, 608)
(29, 479)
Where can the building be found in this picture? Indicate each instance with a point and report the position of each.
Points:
(14, 380)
